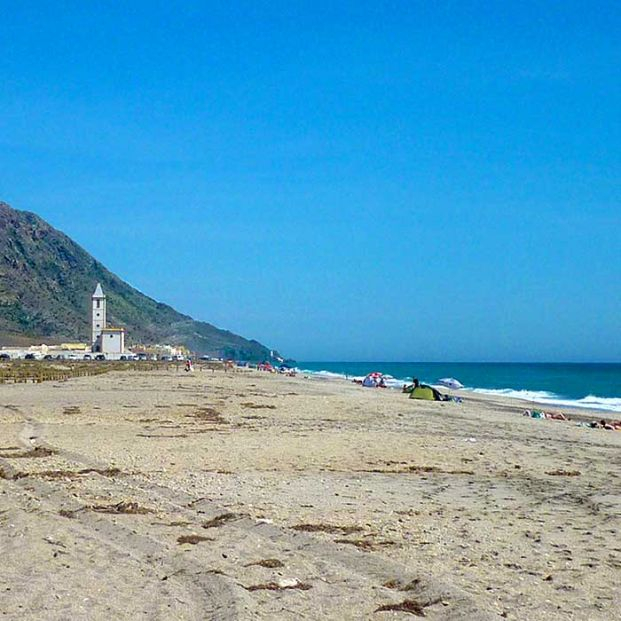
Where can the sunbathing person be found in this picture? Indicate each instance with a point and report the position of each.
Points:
(556, 416)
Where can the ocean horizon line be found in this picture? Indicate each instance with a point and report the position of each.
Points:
(564, 362)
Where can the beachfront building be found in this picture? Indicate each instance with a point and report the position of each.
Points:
(104, 339)
(161, 351)
(110, 341)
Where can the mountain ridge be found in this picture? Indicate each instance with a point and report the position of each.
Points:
(46, 282)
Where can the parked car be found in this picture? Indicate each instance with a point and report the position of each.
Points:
(100, 357)
(87, 357)
(48, 357)
(29, 357)
(5, 357)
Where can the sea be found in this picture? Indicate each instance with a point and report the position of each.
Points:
(593, 386)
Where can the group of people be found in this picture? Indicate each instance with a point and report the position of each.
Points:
(372, 380)
(610, 425)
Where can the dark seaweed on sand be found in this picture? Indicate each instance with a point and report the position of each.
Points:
(220, 520)
(564, 473)
(210, 415)
(121, 507)
(408, 605)
(39, 451)
(193, 539)
(270, 563)
(124, 507)
(365, 544)
(257, 406)
(67, 474)
(274, 586)
(327, 528)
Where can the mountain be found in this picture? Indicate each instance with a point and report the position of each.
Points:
(46, 283)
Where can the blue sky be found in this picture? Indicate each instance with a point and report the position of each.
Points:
(340, 180)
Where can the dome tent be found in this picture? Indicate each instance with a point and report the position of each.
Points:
(425, 392)
(373, 380)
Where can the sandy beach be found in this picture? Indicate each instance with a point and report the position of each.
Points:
(246, 495)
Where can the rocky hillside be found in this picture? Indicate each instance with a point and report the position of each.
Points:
(46, 281)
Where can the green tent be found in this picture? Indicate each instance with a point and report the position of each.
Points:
(425, 392)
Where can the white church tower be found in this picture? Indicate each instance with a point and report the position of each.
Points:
(104, 339)
(98, 315)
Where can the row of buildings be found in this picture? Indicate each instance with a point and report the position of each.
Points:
(106, 342)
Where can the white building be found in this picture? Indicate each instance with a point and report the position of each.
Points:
(104, 339)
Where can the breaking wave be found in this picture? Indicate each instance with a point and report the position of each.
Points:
(592, 402)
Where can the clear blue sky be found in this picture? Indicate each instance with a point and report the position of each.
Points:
(340, 180)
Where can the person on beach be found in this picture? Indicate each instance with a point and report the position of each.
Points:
(410, 387)
(608, 425)
(556, 416)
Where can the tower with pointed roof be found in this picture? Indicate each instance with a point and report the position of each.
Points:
(98, 315)
(105, 339)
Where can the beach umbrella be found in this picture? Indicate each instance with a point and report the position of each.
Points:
(372, 379)
(450, 382)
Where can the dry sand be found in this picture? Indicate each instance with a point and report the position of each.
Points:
(165, 495)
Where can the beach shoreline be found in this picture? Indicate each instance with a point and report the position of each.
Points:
(557, 385)
(573, 412)
(249, 495)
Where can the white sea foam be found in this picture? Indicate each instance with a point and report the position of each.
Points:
(592, 402)
(325, 374)
(390, 381)
(528, 395)
(603, 403)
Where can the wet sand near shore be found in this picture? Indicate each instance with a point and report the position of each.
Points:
(165, 495)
